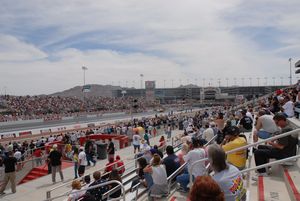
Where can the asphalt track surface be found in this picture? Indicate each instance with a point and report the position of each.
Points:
(78, 120)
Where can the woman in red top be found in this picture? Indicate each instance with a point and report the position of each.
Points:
(162, 141)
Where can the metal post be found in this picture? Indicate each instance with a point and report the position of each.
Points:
(290, 60)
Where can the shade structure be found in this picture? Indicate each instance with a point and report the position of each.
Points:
(297, 64)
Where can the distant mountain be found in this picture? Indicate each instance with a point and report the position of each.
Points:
(95, 91)
(188, 86)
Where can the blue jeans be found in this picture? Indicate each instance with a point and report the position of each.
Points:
(148, 179)
(76, 169)
(184, 180)
(263, 134)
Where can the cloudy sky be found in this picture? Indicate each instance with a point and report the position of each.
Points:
(44, 44)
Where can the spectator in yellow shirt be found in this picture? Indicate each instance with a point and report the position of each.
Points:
(232, 141)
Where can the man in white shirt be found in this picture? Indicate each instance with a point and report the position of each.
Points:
(82, 161)
(288, 107)
(136, 138)
(196, 154)
(208, 133)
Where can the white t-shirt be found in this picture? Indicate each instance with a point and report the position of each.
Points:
(193, 156)
(82, 158)
(288, 108)
(76, 194)
(159, 175)
(18, 155)
(268, 124)
(136, 140)
(208, 134)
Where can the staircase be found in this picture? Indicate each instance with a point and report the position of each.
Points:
(35, 173)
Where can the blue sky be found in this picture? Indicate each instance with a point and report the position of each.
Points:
(43, 44)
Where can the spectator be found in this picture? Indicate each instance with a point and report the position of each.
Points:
(146, 181)
(120, 165)
(159, 176)
(208, 133)
(38, 156)
(136, 142)
(82, 161)
(114, 175)
(111, 165)
(206, 189)
(265, 126)
(97, 192)
(245, 123)
(146, 137)
(75, 193)
(111, 149)
(194, 155)
(10, 163)
(162, 141)
(155, 150)
(184, 150)
(227, 176)
(75, 161)
(171, 162)
(55, 161)
(232, 141)
(288, 107)
(283, 148)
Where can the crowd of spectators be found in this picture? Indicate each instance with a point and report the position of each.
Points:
(14, 108)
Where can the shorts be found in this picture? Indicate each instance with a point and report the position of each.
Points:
(263, 134)
(81, 170)
(136, 147)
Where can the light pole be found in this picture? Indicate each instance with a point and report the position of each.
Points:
(172, 83)
(227, 81)
(258, 81)
(164, 84)
(234, 81)
(281, 78)
(141, 75)
(250, 81)
(84, 68)
(273, 81)
(219, 81)
(266, 81)
(243, 81)
(203, 82)
(290, 60)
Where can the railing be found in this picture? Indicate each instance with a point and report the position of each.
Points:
(171, 177)
(48, 193)
(93, 187)
(245, 147)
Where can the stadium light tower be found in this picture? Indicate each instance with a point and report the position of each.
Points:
(290, 60)
(141, 75)
(84, 68)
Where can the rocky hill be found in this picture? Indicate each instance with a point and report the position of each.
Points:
(96, 91)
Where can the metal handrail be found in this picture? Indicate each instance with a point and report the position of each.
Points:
(246, 147)
(281, 161)
(93, 187)
(48, 193)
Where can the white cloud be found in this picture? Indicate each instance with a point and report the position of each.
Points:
(118, 40)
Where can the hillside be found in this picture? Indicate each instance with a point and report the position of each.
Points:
(96, 91)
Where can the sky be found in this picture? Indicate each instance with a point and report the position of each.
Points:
(44, 44)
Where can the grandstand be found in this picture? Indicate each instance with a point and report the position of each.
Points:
(281, 184)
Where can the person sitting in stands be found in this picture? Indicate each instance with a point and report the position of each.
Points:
(171, 162)
(76, 193)
(226, 175)
(232, 141)
(97, 192)
(265, 126)
(184, 150)
(109, 167)
(206, 189)
(280, 149)
(155, 150)
(159, 176)
(194, 155)
(120, 165)
(245, 124)
(114, 175)
(162, 141)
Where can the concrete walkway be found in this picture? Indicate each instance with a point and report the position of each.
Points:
(36, 190)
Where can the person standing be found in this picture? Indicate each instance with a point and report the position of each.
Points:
(82, 161)
(111, 150)
(75, 161)
(10, 173)
(136, 142)
(55, 161)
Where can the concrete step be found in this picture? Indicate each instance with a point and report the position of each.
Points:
(291, 176)
(272, 188)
